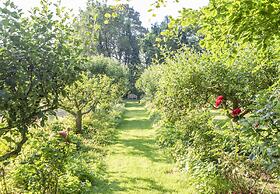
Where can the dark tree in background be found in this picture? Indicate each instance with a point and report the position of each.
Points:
(168, 36)
(112, 31)
(117, 32)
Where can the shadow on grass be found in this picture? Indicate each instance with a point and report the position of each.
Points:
(135, 124)
(135, 118)
(135, 114)
(133, 184)
(133, 103)
(144, 148)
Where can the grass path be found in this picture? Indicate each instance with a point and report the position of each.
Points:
(135, 164)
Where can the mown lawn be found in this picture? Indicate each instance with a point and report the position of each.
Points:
(135, 163)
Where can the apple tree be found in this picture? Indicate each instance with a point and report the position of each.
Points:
(37, 62)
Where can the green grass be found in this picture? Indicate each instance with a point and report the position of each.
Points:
(135, 163)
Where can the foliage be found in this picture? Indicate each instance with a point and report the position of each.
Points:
(193, 82)
(88, 94)
(42, 171)
(99, 65)
(247, 20)
(100, 125)
(234, 20)
(217, 147)
(222, 157)
(224, 20)
(197, 145)
(112, 31)
(263, 125)
(53, 163)
(238, 67)
(37, 63)
(168, 37)
(148, 82)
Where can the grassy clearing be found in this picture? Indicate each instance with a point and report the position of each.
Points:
(135, 164)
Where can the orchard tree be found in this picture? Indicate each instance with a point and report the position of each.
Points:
(37, 62)
(103, 83)
(197, 81)
(86, 94)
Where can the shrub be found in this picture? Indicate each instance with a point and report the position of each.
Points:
(209, 105)
(52, 163)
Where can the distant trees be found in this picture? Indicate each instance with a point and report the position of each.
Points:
(113, 31)
(168, 37)
(116, 31)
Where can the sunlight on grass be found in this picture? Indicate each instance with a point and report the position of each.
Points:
(135, 163)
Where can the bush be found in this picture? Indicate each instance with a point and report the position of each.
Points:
(221, 147)
(44, 167)
(57, 161)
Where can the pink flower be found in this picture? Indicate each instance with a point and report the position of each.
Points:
(63, 134)
(219, 101)
(236, 112)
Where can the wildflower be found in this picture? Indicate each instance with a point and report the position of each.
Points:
(236, 112)
(219, 101)
(63, 134)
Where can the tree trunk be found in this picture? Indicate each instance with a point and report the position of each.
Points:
(79, 122)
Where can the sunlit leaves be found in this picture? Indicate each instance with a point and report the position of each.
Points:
(37, 62)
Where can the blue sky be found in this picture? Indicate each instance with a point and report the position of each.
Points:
(139, 5)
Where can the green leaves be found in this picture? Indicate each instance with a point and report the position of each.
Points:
(115, 33)
(37, 63)
(93, 91)
(239, 60)
(183, 91)
(107, 15)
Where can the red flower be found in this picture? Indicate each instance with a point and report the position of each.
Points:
(219, 101)
(256, 125)
(63, 134)
(236, 112)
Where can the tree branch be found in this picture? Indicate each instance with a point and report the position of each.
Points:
(18, 148)
(68, 110)
(88, 111)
